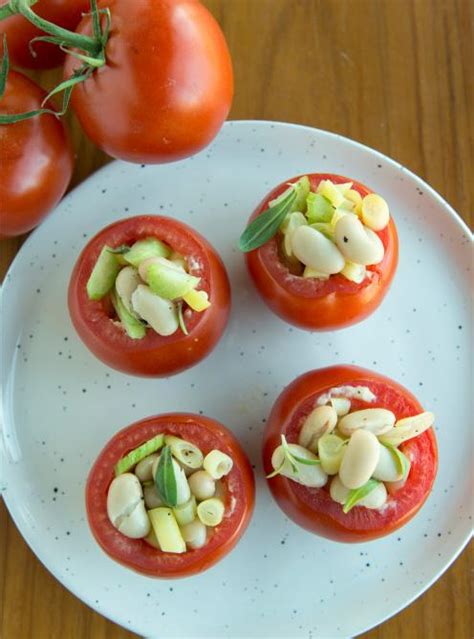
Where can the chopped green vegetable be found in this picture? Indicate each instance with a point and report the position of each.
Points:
(356, 495)
(302, 188)
(401, 460)
(319, 208)
(103, 274)
(170, 283)
(132, 458)
(266, 224)
(165, 479)
(134, 328)
(144, 249)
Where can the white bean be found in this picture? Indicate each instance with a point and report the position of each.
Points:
(341, 405)
(217, 464)
(376, 420)
(312, 476)
(152, 498)
(182, 487)
(360, 459)
(375, 213)
(125, 507)
(315, 250)
(194, 534)
(144, 468)
(202, 485)
(357, 243)
(320, 421)
(376, 498)
(338, 491)
(387, 469)
(159, 313)
(125, 284)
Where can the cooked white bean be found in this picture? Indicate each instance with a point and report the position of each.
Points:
(211, 511)
(144, 468)
(341, 405)
(320, 421)
(289, 226)
(185, 452)
(152, 498)
(387, 469)
(375, 499)
(159, 313)
(202, 485)
(357, 243)
(217, 464)
(125, 507)
(312, 476)
(194, 534)
(338, 491)
(376, 420)
(125, 284)
(375, 213)
(408, 428)
(316, 251)
(182, 487)
(360, 459)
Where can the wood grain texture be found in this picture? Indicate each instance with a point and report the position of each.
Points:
(393, 74)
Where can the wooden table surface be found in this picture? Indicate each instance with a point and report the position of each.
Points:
(393, 74)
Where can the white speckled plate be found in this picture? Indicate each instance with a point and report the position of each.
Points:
(61, 405)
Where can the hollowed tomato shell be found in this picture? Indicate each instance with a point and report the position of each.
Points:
(313, 508)
(154, 355)
(316, 304)
(137, 554)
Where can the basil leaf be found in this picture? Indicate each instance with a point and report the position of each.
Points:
(357, 494)
(264, 227)
(181, 322)
(165, 479)
(401, 460)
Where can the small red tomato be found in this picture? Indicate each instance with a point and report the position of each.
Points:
(37, 160)
(313, 508)
(19, 31)
(320, 304)
(137, 554)
(153, 355)
(167, 84)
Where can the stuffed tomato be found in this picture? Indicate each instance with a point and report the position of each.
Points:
(349, 454)
(171, 495)
(149, 296)
(322, 251)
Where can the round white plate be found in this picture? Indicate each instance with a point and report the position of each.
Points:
(61, 405)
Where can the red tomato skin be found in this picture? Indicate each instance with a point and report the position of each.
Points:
(313, 509)
(322, 306)
(138, 554)
(19, 31)
(152, 356)
(167, 86)
(37, 159)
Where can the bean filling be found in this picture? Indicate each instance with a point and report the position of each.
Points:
(149, 286)
(169, 494)
(332, 230)
(357, 451)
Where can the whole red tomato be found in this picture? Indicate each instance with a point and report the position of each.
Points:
(37, 160)
(313, 508)
(316, 304)
(167, 86)
(19, 31)
(137, 554)
(154, 355)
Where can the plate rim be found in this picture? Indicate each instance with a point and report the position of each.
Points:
(394, 164)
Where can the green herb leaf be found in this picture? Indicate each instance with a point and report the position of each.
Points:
(277, 471)
(165, 479)
(132, 458)
(5, 66)
(181, 322)
(401, 460)
(264, 227)
(357, 494)
(296, 459)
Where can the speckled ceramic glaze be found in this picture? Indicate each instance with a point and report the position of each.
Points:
(61, 405)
